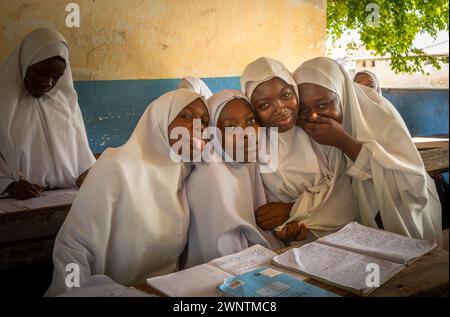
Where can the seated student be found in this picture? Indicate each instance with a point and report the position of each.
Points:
(43, 143)
(368, 79)
(130, 218)
(393, 190)
(308, 186)
(223, 194)
(196, 85)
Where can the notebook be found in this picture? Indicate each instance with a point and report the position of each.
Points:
(202, 280)
(267, 282)
(356, 258)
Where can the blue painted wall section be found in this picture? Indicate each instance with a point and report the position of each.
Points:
(425, 111)
(111, 109)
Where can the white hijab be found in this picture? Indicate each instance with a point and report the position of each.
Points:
(323, 197)
(223, 197)
(388, 175)
(44, 139)
(130, 218)
(196, 85)
(374, 78)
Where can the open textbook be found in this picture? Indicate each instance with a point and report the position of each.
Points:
(202, 280)
(103, 286)
(47, 199)
(350, 258)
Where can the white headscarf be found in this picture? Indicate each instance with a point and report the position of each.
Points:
(388, 175)
(223, 197)
(374, 78)
(196, 85)
(302, 175)
(44, 139)
(130, 218)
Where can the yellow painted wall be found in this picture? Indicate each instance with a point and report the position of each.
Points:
(147, 39)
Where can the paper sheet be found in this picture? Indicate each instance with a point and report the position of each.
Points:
(338, 266)
(51, 198)
(247, 260)
(197, 281)
(378, 243)
(103, 286)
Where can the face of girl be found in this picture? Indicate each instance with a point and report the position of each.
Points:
(276, 104)
(42, 77)
(185, 119)
(365, 80)
(238, 113)
(315, 99)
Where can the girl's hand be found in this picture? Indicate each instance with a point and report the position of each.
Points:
(23, 190)
(293, 231)
(272, 215)
(327, 131)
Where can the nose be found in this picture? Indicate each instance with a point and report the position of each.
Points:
(46, 83)
(278, 106)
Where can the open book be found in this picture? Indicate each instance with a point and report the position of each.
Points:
(350, 258)
(202, 280)
(47, 199)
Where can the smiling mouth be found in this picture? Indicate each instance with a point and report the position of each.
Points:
(284, 122)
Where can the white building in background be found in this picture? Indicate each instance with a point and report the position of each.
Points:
(380, 65)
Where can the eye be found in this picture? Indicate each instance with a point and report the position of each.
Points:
(287, 95)
(263, 106)
(186, 116)
(322, 106)
(252, 121)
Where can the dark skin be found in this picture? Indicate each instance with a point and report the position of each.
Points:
(365, 80)
(276, 104)
(42, 77)
(292, 231)
(185, 118)
(237, 113)
(321, 117)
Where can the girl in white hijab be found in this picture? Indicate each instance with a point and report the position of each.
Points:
(368, 79)
(130, 218)
(224, 195)
(388, 175)
(43, 141)
(196, 85)
(304, 187)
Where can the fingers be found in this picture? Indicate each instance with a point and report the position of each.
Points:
(303, 233)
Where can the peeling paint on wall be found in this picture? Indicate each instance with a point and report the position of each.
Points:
(152, 39)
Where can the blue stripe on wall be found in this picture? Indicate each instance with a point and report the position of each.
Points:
(111, 109)
(425, 111)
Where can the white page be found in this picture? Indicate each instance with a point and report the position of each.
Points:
(378, 243)
(103, 286)
(198, 281)
(51, 198)
(7, 205)
(247, 260)
(338, 266)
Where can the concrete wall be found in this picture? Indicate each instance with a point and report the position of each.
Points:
(154, 39)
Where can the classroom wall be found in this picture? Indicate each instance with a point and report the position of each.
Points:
(127, 53)
(154, 39)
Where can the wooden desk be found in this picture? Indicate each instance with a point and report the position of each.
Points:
(435, 160)
(428, 276)
(28, 236)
